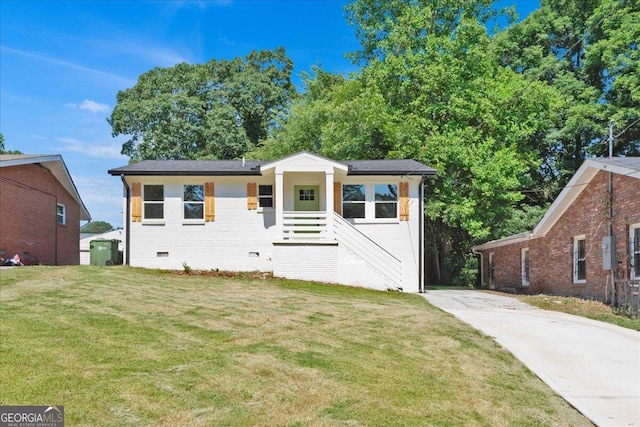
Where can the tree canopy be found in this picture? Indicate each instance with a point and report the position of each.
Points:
(217, 110)
(96, 227)
(3, 151)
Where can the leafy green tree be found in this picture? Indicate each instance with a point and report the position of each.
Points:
(438, 96)
(3, 151)
(462, 113)
(96, 227)
(588, 51)
(217, 110)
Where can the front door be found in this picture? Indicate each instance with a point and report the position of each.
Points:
(306, 198)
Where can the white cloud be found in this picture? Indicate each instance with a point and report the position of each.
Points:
(88, 105)
(102, 150)
(102, 195)
(119, 80)
(94, 107)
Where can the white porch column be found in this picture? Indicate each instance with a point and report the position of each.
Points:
(279, 196)
(329, 203)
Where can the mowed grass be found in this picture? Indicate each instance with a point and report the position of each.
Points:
(129, 347)
(591, 309)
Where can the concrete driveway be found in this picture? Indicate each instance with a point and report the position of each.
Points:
(595, 366)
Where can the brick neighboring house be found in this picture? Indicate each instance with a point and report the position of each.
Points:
(40, 210)
(565, 253)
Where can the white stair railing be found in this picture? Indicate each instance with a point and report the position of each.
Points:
(369, 251)
(304, 225)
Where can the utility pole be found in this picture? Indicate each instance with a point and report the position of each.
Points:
(611, 125)
(612, 240)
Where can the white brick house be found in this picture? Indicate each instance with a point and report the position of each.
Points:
(301, 217)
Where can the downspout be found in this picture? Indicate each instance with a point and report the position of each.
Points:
(127, 224)
(421, 234)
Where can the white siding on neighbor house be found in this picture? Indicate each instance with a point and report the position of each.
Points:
(238, 240)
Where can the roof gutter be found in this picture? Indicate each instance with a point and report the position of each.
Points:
(127, 220)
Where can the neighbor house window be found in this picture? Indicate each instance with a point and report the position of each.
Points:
(579, 259)
(492, 268)
(525, 267)
(634, 246)
(386, 200)
(153, 200)
(265, 196)
(61, 214)
(193, 201)
(353, 201)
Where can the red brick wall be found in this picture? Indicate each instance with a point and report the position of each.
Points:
(28, 198)
(551, 257)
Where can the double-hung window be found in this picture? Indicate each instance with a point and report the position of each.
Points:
(634, 246)
(370, 201)
(193, 201)
(525, 266)
(353, 201)
(579, 259)
(492, 268)
(386, 200)
(153, 201)
(61, 214)
(265, 196)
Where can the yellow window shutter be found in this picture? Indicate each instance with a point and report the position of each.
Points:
(404, 201)
(337, 197)
(136, 202)
(252, 196)
(209, 202)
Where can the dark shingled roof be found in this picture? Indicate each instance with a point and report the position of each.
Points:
(388, 167)
(625, 162)
(252, 167)
(190, 167)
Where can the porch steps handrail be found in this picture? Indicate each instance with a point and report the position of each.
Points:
(304, 225)
(368, 250)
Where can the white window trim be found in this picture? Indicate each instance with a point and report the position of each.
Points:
(576, 239)
(632, 229)
(522, 258)
(154, 221)
(370, 203)
(64, 214)
(193, 221)
(272, 208)
(491, 270)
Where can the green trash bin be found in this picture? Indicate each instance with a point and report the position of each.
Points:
(103, 252)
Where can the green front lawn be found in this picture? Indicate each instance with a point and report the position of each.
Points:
(128, 347)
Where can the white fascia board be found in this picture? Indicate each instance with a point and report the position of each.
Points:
(516, 238)
(303, 162)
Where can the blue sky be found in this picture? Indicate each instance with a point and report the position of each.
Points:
(63, 62)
